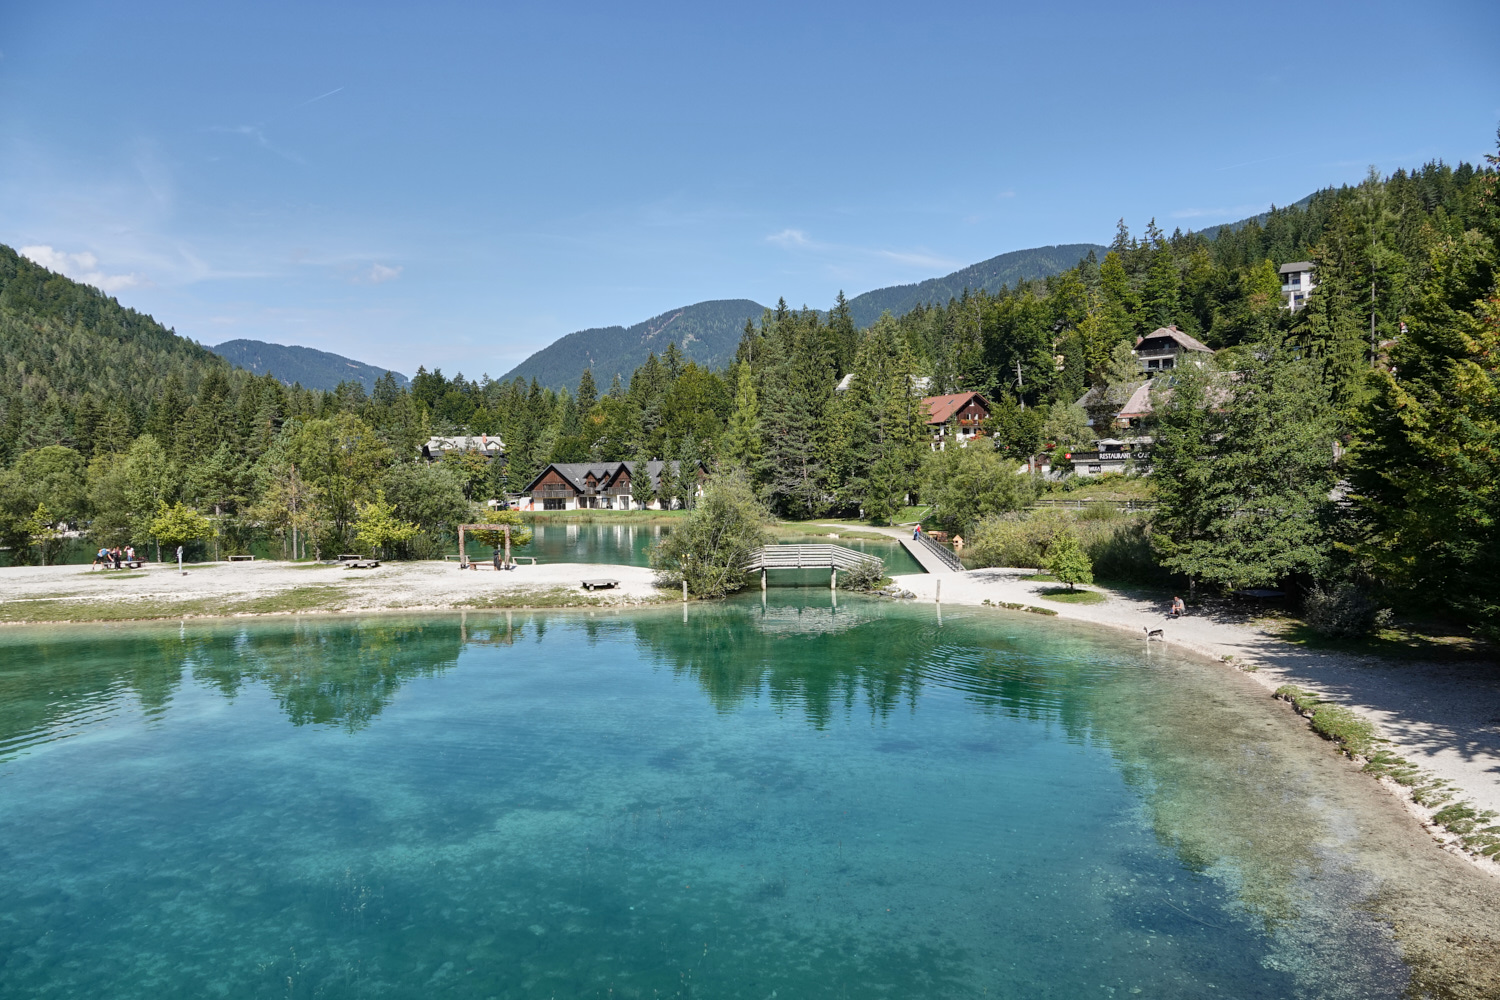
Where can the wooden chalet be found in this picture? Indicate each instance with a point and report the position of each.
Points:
(957, 418)
(594, 485)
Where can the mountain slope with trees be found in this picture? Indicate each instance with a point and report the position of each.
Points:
(1008, 269)
(705, 332)
(310, 368)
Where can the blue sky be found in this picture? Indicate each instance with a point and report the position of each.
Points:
(459, 185)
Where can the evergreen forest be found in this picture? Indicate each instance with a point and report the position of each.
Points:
(1353, 442)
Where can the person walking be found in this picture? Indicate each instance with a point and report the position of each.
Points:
(917, 531)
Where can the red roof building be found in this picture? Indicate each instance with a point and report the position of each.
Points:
(958, 417)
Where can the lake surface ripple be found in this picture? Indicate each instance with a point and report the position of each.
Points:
(732, 800)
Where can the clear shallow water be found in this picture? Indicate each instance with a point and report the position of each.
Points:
(783, 800)
(630, 545)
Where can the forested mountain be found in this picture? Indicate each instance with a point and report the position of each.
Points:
(311, 368)
(75, 365)
(1008, 269)
(705, 332)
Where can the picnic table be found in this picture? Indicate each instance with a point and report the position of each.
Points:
(600, 584)
(241, 558)
(360, 563)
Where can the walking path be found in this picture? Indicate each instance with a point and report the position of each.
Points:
(919, 552)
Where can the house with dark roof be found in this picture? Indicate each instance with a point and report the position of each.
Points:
(596, 485)
(1163, 348)
(956, 418)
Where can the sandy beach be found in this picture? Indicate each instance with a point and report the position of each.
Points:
(76, 593)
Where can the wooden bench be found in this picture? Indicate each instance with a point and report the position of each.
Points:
(602, 584)
(349, 557)
(241, 558)
(361, 563)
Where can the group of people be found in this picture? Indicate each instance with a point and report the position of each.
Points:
(115, 557)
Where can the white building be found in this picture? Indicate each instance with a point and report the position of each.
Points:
(484, 444)
(1297, 283)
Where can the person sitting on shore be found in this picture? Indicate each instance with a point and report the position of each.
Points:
(1178, 608)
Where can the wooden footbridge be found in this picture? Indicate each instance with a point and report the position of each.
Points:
(830, 557)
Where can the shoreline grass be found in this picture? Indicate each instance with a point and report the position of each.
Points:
(1078, 596)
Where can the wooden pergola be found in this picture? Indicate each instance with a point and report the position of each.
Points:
(463, 553)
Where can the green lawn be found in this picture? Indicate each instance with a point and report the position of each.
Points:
(1067, 596)
(613, 516)
(820, 529)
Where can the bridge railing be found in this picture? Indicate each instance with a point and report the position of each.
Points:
(807, 557)
(944, 554)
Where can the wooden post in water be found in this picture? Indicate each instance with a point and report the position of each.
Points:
(762, 579)
(833, 579)
(939, 598)
(684, 591)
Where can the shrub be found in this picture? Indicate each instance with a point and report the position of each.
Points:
(1118, 546)
(1343, 612)
(711, 546)
(868, 575)
(1067, 561)
(965, 484)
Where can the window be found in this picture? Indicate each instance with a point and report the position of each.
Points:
(551, 503)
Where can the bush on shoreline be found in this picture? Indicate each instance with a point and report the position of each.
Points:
(1117, 544)
(710, 547)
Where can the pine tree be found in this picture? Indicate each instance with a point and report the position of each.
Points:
(1243, 470)
(588, 395)
(667, 487)
(642, 489)
(798, 395)
(743, 445)
(1120, 304)
(1159, 296)
(1425, 472)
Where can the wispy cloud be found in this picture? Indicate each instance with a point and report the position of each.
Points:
(314, 100)
(917, 259)
(1235, 212)
(82, 266)
(798, 239)
(258, 133)
(378, 274)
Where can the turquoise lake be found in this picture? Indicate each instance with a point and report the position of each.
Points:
(630, 545)
(743, 799)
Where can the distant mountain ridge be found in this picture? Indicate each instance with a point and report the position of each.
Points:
(707, 332)
(311, 368)
(1008, 269)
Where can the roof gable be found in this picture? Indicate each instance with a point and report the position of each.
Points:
(941, 409)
